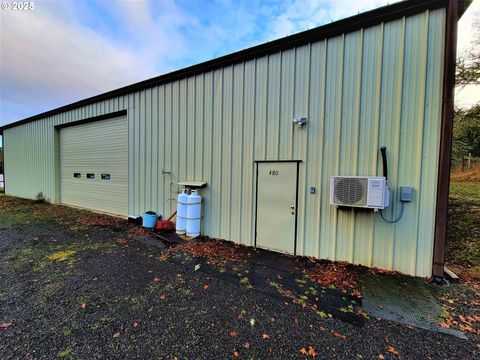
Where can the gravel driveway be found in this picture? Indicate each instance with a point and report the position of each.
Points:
(78, 285)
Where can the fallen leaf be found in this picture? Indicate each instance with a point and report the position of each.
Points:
(5, 325)
(197, 267)
(122, 241)
(233, 333)
(205, 286)
(162, 297)
(265, 336)
(83, 305)
(392, 350)
(246, 345)
(136, 324)
(466, 328)
(252, 322)
(235, 354)
(156, 279)
(116, 335)
(311, 351)
(303, 351)
(446, 324)
(381, 357)
(357, 293)
(272, 319)
(339, 335)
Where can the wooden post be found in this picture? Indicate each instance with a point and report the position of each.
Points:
(445, 139)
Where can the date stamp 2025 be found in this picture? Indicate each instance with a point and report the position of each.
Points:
(18, 6)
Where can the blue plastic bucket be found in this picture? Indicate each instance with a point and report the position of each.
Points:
(149, 219)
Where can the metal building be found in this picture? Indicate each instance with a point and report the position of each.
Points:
(384, 77)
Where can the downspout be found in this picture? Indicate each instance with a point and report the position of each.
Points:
(446, 132)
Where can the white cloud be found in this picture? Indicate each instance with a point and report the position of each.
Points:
(47, 60)
(156, 35)
(469, 95)
(465, 29)
(301, 15)
(54, 56)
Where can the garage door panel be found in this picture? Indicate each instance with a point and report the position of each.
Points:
(99, 148)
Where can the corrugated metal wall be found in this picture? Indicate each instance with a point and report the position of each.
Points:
(379, 85)
(99, 147)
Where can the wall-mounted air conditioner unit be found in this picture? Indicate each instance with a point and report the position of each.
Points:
(370, 192)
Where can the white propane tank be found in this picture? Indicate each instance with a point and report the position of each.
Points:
(181, 224)
(194, 213)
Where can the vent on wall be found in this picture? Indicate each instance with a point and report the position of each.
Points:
(359, 191)
(350, 191)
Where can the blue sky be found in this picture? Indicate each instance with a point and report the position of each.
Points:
(64, 51)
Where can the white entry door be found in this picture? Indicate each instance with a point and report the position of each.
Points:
(276, 206)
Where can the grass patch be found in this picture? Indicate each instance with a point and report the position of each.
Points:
(67, 353)
(466, 175)
(463, 229)
(18, 259)
(16, 211)
(40, 257)
(61, 255)
(469, 191)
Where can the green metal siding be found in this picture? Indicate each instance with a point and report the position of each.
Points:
(379, 85)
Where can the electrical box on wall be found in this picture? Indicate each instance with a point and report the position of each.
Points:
(406, 193)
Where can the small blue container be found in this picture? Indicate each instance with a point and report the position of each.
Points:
(149, 219)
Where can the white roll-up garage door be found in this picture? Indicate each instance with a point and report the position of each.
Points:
(94, 166)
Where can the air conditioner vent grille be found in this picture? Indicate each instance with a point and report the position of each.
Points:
(351, 191)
